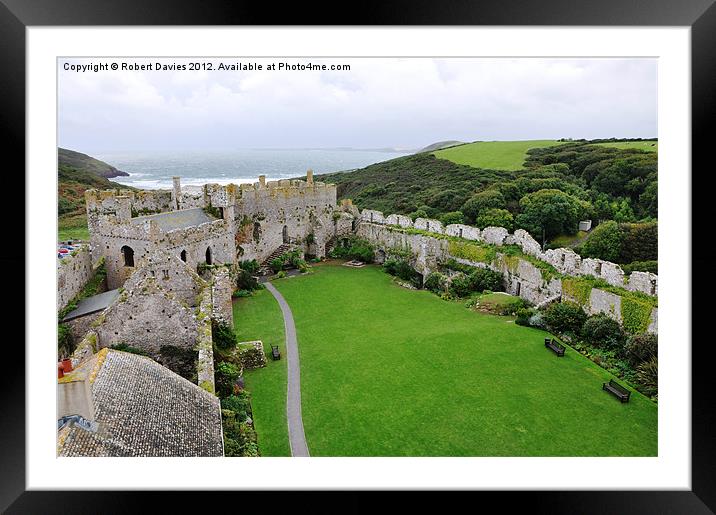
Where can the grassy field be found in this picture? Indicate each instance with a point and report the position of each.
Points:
(72, 227)
(387, 371)
(649, 146)
(494, 155)
(259, 318)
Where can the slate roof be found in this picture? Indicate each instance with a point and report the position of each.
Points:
(177, 219)
(92, 304)
(144, 409)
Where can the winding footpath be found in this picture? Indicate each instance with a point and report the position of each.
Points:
(296, 436)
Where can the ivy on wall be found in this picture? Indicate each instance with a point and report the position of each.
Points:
(472, 251)
(636, 313)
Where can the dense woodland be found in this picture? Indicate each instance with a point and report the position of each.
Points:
(558, 187)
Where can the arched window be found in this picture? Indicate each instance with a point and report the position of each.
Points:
(285, 234)
(209, 260)
(128, 255)
(183, 255)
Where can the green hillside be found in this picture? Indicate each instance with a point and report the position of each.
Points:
(554, 188)
(87, 163)
(647, 145)
(72, 182)
(440, 145)
(496, 155)
(403, 184)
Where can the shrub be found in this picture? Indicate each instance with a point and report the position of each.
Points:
(537, 320)
(246, 281)
(240, 404)
(225, 377)
(239, 436)
(523, 316)
(605, 242)
(222, 335)
(241, 293)
(641, 348)
(453, 217)
(603, 331)
(399, 268)
(276, 264)
(494, 217)
(640, 243)
(249, 265)
(361, 250)
(436, 282)
(281, 275)
(460, 285)
(641, 266)
(489, 199)
(565, 317)
(647, 376)
(485, 279)
(65, 342)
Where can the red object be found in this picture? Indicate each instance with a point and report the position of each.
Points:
(60, 372)
(63, 251)
(67, 365)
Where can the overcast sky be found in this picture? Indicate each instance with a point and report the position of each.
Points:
(407, 103)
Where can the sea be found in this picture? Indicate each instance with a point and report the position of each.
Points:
(155, 170)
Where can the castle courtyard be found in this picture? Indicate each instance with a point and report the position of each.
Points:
(389, 371)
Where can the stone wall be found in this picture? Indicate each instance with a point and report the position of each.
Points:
(205, 345)
(222, 287)
(173, 275)
(150, 318)
(269, 214)
(73, 273)
(521, 276)
(147, 239)
(566, 261)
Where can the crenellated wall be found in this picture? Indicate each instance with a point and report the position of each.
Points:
(523, 275)
(566, 261)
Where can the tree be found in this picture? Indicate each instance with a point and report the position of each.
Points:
(453, 217)
(549, 213)
(624, 212)
(495, 218)
(605, 242)
(481, 201)
(648, 201)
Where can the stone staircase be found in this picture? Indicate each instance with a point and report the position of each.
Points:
(265, 269)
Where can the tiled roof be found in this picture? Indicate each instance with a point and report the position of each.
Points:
(177, 219)
(144, 409)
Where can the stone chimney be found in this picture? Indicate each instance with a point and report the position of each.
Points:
(309, 177)
(262, 181)
(176, 192)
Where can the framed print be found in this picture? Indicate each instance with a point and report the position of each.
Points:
(418, 252)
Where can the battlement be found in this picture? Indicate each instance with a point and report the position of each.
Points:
(565, 261)
(287, 188)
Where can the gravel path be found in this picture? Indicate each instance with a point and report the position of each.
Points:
(296, 437)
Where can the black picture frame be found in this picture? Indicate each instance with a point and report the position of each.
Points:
(700, 15)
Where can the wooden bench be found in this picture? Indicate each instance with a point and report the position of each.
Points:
(554, 346)
(617, 390)
(275, 354)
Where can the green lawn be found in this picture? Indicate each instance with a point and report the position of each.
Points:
(259, 318)
(387, 371)
(495, 155)
(649, 146)
(72, 227)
